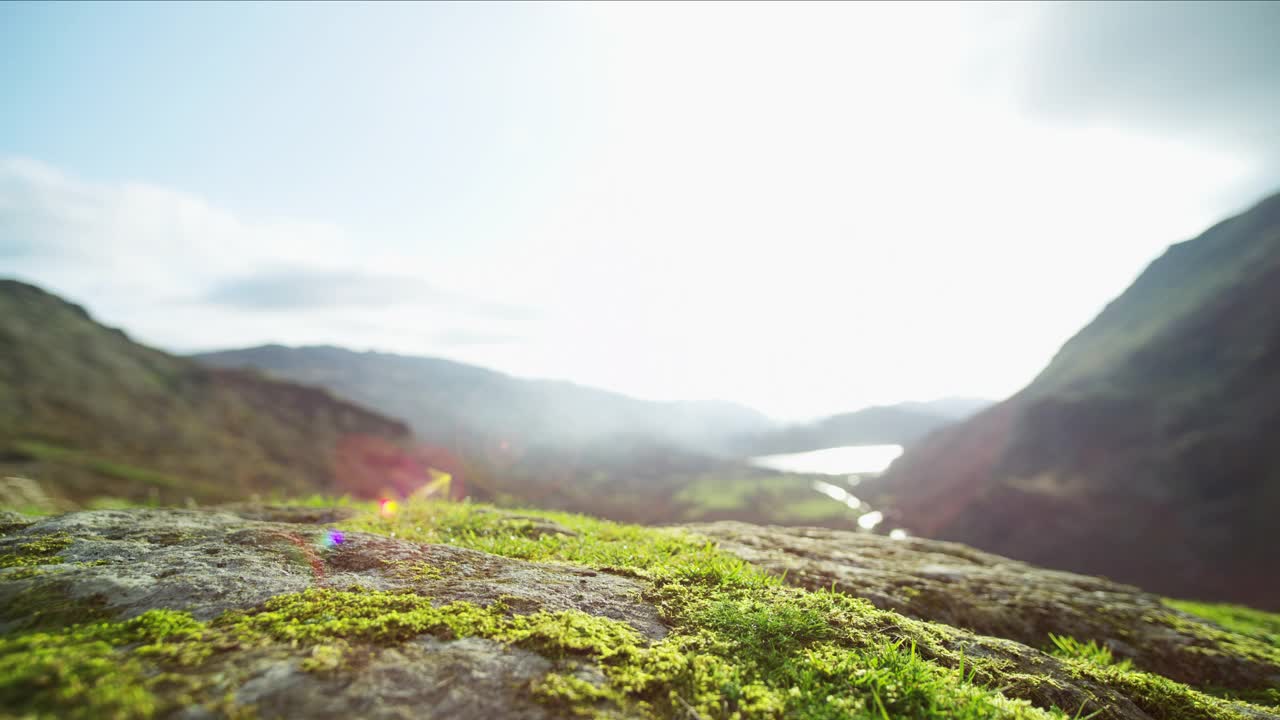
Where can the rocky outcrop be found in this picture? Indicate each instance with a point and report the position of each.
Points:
(955, 585)
(119, 564)
(124, 562)
(338, 612)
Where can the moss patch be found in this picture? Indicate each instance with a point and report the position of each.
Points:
(80, 672)
(421, 571)
(38, 551)
(1258, 624)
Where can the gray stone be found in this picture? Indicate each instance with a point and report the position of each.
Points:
(991, 595)
(130, 561)
(424, 678)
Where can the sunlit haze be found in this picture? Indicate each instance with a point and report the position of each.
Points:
(803, 208)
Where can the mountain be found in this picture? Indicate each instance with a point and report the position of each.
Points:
(454, 404)
(903, 424)
(1146, 451)
(85, 412)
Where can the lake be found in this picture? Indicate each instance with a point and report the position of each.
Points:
(850, 460)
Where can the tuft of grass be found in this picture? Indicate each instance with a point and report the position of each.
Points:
(602, 544)
(1065, 646)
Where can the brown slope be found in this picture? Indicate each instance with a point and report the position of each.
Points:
(1146, 451)
(86, 412)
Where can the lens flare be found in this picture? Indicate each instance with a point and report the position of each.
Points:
(870, 520)
(387, 507)
(333, 538)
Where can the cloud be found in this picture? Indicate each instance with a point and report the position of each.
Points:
(458, 337)
(1203, 69)
(301, 288)
(186, 274)
(157, 242)
(310, 289)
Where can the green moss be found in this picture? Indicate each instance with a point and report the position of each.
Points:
(42, 550)
(1257, 624)
(27, 560)
(326, 657)
(1162, 698)
(421, 571)
(597, 543)
(320, 615)
(580, 696)
(82, 672)
(22, 573)
(1213, 638)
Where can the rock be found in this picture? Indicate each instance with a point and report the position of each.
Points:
(272, 612)
(534, 527)
(288, 513)
(10, 521)
(205, 563)
(958, 586)
(423, 678)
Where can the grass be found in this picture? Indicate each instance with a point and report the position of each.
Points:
(1258, 624)
(783, 499)
(1065, 646)
(117, 470)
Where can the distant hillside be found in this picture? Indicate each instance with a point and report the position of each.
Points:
(881, 425)
(85, 412)
(901, 424)
(462, 405)
(1146, 450)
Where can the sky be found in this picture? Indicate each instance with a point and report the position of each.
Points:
(805, 208)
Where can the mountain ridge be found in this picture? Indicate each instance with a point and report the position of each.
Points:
(444, 399)
(1143, 451)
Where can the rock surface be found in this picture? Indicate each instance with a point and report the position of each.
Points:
(956, 585)
(423, 678)
(972, 614)
(206, 563)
